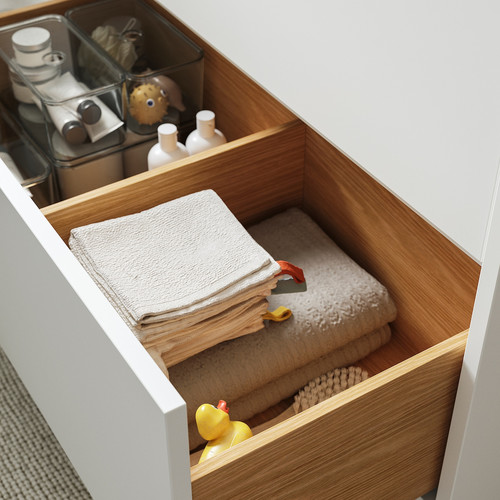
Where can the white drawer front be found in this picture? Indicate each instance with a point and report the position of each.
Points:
(118, 418)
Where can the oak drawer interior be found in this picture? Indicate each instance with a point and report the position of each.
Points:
(274, 161)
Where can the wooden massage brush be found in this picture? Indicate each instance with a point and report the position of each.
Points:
(320, 389)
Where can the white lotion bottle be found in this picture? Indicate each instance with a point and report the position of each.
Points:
(206, 136)
(167, 149)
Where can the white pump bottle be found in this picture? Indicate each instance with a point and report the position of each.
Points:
(206, 136)
(167, 149)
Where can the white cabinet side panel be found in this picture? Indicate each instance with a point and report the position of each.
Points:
(470, 467)
(118, 418)
(408, 90)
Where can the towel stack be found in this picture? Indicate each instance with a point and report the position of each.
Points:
(184, 275)
(341, 318)
(193, 286)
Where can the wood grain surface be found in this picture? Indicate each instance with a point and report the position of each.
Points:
(39, 9)
(431, 280)
(255, 176)
(378, 439)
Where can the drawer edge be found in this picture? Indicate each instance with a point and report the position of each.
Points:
(258, 159)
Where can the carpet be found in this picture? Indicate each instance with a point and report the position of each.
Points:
(33, 466)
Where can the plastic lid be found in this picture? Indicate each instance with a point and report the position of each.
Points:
(167, 137)
(89, 111)
(205, 123)
(74, 132)
(31, 39)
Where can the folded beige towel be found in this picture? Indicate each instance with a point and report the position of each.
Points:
(236, 321)
(342, 303)
(155, 331)
(285, 386)
(173, 261)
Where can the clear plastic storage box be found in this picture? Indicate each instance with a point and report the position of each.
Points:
(80, 103)
(164, 69)
(26, 162)
(67, 97)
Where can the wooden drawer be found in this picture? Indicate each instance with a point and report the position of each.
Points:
(117, 416)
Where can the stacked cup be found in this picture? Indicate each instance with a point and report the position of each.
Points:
(38, 63)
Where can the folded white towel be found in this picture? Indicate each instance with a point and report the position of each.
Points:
(164, 335)
(172, 260)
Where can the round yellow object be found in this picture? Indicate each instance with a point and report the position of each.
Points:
(148, 104)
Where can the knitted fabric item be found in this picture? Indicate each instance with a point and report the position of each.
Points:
(342, 303)
(173, 260)
(33, 466)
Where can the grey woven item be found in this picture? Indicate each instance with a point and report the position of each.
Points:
(33, 466)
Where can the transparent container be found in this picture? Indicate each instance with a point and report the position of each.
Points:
(76, 177)
(27, 163)
(80, 103)
(164, 68)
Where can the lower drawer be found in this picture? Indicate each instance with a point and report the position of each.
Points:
(384, 438)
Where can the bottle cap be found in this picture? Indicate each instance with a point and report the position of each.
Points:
(167, 137)
(74, 132)
(89, 111)
(31, 39)
(205, 123)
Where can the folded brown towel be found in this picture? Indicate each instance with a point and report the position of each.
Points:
(285, 386)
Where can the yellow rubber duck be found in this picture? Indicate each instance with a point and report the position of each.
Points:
(220, 432)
